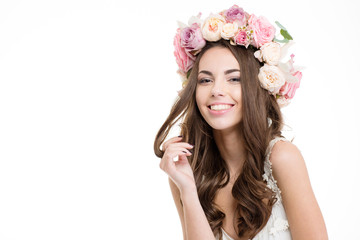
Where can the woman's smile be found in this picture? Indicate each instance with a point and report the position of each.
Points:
(220, 108)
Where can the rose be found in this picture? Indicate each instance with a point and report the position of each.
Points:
(229, 30)
(289, 88)
(236, 14)
(192, 40)
(242, 38)
(212, 27)
(182, 59)
(263, 31)
(270, 53)
(271, 78)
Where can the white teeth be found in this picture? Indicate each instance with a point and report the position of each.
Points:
(219, 107)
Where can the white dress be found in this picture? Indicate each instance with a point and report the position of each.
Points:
(277, 227)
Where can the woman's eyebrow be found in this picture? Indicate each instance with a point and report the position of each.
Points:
(226, 72)
(231, 71)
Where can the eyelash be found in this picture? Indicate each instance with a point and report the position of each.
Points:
(236, 79)
(206, 79)
(203, 80)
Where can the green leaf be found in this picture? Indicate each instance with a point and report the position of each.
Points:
(188, 74)
(280, 26)
(285, 34)
(281, 41)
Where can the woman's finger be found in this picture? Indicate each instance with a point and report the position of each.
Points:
(167, 162)
(172, 152)
(170, 141)
(178, 145)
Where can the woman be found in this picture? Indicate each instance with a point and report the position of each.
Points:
(231, 149)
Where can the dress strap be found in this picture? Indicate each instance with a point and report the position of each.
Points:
(268, 176)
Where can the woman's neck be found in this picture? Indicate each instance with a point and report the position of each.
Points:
(231, 147)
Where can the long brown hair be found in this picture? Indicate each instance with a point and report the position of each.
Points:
(254, 199)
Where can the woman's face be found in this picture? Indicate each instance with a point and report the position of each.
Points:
(218, 90)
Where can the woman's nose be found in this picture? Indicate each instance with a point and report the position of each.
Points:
(218, 88)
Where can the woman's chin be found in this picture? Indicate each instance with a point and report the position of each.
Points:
(224, 126)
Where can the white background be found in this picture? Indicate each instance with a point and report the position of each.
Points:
(85, 86)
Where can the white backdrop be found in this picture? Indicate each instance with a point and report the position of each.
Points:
(85, 86)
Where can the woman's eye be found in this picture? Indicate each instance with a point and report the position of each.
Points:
(234, 80)
(204, 80)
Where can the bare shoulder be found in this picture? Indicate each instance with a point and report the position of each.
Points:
(299, 200)
(289, 168)
(285, 153)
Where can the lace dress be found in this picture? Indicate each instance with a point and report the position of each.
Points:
(277, 227)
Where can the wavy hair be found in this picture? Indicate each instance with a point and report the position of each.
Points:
(254, 200)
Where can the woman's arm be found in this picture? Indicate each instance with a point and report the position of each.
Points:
(302, 210)
(176, 195)
(191, 215)
(194, 222)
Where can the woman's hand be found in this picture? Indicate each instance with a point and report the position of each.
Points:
(179, 171)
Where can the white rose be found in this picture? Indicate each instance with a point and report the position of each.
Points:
(271, 78)
(229, 30)
(211, 29)
(271, 53)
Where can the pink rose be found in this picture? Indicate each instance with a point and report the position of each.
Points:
(182, 59)
(289, 88)
(263, 31)
(236, 14)
(192, 40)
(242, 38)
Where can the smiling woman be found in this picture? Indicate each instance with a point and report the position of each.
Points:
(231, 148)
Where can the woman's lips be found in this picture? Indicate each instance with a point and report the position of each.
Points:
(220, 108)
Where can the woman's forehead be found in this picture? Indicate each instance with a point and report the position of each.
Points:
(218, 58)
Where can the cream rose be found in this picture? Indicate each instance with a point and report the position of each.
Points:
(229, 30)
(271, 53)
(271, 78)
(212, 27)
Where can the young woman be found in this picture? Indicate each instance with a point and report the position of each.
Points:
(231, 148)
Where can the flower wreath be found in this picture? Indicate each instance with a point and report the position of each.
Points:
(240, 28)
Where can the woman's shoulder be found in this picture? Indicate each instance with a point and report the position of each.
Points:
(284, 152)
(281, 149)
(286, 164)
(290, 172)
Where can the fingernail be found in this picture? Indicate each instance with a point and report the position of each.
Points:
(180, 136)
